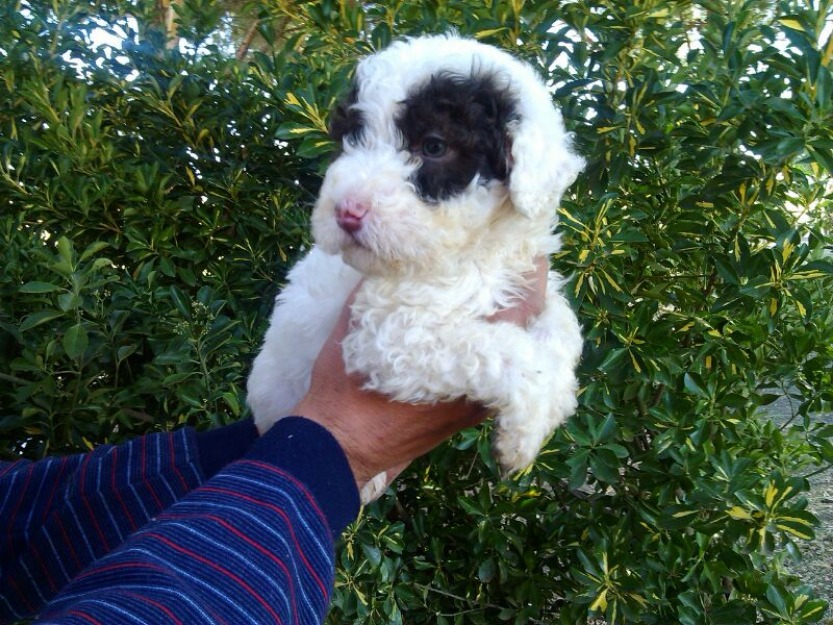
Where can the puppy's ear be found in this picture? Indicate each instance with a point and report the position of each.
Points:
(542, 161)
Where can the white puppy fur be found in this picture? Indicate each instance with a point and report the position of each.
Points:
(434, 264)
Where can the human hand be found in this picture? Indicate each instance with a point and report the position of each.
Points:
(379, 435)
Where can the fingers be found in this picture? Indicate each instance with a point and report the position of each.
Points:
(525, 310)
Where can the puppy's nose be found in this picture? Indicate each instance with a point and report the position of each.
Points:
(349, 214)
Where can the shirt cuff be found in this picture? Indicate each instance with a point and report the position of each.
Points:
(220, 446)
(310, 453)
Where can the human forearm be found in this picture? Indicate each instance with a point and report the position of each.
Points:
(60, 514)
(251, 544)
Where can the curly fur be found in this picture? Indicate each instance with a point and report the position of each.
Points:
(453, 161)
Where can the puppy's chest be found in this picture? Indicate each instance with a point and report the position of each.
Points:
(380, 305)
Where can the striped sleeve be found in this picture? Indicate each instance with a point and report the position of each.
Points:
(59, 515)
(252, 545)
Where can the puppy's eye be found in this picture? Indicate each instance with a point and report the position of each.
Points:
(434, 147)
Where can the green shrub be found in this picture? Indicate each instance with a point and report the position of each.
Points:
(152, 199)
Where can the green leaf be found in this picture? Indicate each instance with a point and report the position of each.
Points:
(68, 301)
(231, 401)
(792, 22)
(486, 571)
(372, 553)
(39, 287)
(813, 610)
(605, 465)
(798, 523)
(181, 302)
(92, 249)
(777, 597)
(614, 359)
(75, 341)
(38, 318)
(734, 612)
(578, 464)
(292, 130)
(695, 385)
(65, 264)
(606, 431)
(177, 378)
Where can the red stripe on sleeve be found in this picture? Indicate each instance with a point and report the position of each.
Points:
(223, 571)
(280, 512)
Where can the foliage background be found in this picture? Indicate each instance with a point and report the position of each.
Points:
(154, 190)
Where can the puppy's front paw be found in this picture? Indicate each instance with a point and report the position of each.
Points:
(374, 488)
(514, 450)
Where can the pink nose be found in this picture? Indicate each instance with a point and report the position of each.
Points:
(349, 215)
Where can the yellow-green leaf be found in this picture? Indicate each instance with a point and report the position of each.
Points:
(600, 603)
(739, 514)
(684, 513)
(794, 531)
(791, 23)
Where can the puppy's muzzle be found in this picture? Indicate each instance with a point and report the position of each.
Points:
(350, 214)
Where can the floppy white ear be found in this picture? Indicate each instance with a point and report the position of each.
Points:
(543, 162)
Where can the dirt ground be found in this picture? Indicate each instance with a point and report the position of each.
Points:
(816, 567)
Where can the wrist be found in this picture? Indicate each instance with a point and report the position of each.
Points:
(310, 453)
(332, 418)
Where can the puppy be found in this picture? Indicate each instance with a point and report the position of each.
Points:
(452, 163)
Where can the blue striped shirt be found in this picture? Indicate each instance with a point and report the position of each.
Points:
(146, 533)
